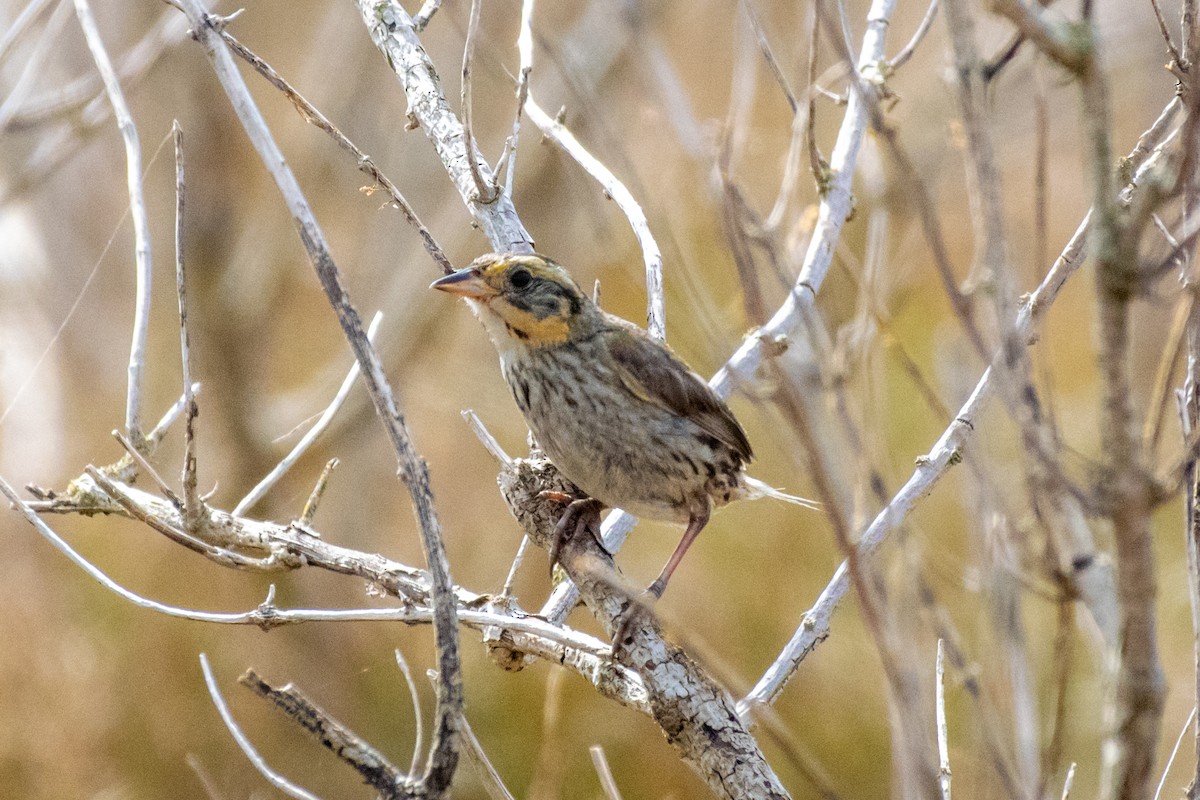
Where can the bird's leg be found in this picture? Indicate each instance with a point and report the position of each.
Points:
(655, 590)
(579, 514)
(695, 525)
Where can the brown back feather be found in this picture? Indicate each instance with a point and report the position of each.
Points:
(653, 373)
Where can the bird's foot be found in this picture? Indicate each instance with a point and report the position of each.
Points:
(640, 607)
(580, 515)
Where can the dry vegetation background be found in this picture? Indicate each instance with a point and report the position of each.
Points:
(101, 699)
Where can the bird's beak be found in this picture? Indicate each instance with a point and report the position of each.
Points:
(466, 282)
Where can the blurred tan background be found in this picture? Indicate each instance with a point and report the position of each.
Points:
(100, 699)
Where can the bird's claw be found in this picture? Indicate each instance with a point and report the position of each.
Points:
(580, 515)
(642, 604)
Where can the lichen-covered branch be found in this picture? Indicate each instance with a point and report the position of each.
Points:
(697, 716)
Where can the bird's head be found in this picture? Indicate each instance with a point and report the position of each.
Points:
(526, 299)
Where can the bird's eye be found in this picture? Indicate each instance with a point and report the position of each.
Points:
(520, 278)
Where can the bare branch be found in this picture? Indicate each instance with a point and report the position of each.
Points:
(413, 471)
(371, 764)
(141, 221)
(192, 504)
(485, 437)
(525, 51)
(418, 723)
(699, 716)
(1174, 752)
(366, 165)
(942, 735)
(901, 58)
(1176, 56)
(291, 546)
(656, 315)
(426, 12)
(485, 190)
(287, 462)
(278, 781)
(314, 498)
(30, 14)
(392, 30)
(1092, 583)
(1069, 781)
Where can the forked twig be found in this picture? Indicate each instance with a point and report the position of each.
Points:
(413, 471)
(347, 745)
(278, 781)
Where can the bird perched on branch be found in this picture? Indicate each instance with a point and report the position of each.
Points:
(619, 414)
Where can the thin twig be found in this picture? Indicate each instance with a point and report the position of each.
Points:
(525, 51)
(656, 315)
(418, 720)
(425, 13)
(314, 498)
(768, 55)
(141, 222)
(901, 58)
(485, 437)
(522, 548)
(30, 14)
(278, 781)
(607, 782)
(192, 504)
(168, 418)
(816, 161)
(148, 468)
(1189, 23)
(1068, 781)
(493, 784)
(943, 738)
(287, 462)
(365, 164)
(486, 191)
(206, 781)
(1174, 752)
(1176, 56)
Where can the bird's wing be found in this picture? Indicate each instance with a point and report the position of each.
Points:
(651, 372)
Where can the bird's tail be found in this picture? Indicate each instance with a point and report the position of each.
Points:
(756, 488)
